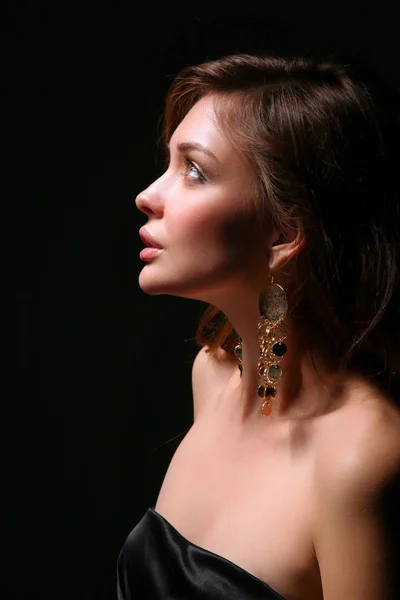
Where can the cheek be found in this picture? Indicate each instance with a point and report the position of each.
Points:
(197, 223)
(223, 233)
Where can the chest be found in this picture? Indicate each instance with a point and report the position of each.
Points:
(250, 502)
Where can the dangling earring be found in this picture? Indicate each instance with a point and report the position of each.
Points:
(238, 353)
(273, 308)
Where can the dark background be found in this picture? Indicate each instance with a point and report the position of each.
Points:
(103, 381)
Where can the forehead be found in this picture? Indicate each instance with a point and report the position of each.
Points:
(200, 125)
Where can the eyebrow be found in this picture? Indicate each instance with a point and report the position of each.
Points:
(187, 146)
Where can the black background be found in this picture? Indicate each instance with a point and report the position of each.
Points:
(103, 381)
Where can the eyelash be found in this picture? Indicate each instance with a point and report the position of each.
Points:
(190, 165)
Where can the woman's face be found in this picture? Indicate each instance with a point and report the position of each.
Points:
(202, 214)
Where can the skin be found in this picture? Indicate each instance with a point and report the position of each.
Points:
(330, 448)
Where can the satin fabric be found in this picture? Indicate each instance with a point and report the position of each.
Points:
(157, 562)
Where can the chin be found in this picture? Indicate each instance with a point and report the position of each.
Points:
(153, 283)
(191, 281)
(155, 286)
(149, 285)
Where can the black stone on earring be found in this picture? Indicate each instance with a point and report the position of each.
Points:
(270, 391)
(279, 349)
(238, 351)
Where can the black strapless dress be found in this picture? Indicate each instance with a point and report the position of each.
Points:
(158, 563)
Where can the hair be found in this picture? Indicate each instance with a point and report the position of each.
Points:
(322, 138)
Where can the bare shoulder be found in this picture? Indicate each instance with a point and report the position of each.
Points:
(208, 372)
(356, 537)
(360, 453)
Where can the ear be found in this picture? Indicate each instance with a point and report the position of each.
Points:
(286, 245)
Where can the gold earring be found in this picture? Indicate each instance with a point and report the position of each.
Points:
(273, 307)
(238, 353)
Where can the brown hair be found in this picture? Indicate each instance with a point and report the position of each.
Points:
(322, 139)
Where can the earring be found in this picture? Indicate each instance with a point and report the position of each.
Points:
(273, 308)
(238, 353)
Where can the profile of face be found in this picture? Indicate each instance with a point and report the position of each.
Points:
(202, 214)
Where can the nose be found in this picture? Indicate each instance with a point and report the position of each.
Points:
(149, 201)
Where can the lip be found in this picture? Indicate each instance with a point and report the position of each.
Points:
(147, 254)
(148, 239)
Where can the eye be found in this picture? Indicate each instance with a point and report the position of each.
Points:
(192, 172)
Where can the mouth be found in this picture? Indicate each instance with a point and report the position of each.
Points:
(148, 239)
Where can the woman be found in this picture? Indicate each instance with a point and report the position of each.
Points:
(280, 208)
